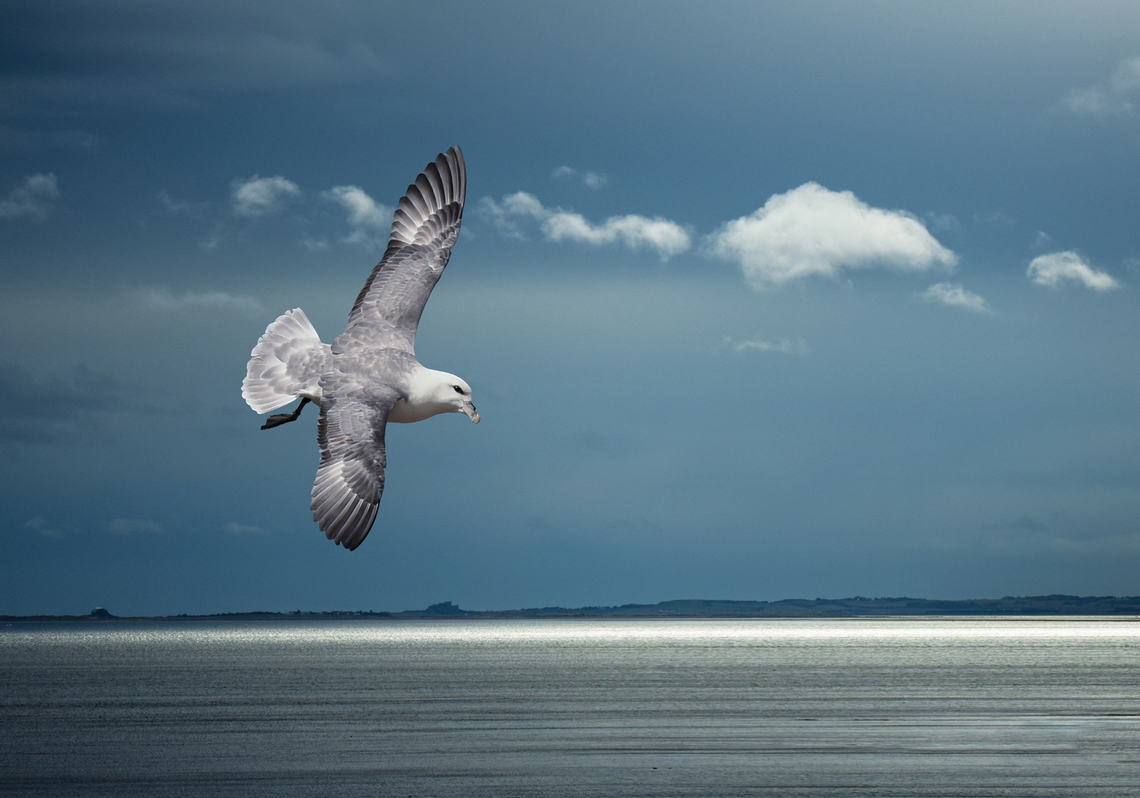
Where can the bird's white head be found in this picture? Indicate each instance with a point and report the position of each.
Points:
(454, 392)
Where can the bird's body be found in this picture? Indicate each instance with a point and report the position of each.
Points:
(369, 375)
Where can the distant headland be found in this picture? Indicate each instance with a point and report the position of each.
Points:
(855, 607)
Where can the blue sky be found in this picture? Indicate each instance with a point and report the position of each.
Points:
(757, 301)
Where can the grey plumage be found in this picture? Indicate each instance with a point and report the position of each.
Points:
(369, 376)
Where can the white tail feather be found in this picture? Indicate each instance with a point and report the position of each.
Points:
(286, 364)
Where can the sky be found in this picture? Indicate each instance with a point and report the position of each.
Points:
(756, 300)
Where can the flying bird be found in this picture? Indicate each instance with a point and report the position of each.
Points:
(369, 375)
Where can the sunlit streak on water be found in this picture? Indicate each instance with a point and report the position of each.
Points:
(820, 707)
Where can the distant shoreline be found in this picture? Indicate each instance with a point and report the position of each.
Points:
(855, 607)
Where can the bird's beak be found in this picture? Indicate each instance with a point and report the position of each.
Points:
(469, 409)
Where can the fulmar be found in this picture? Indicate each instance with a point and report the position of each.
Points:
(369, 376)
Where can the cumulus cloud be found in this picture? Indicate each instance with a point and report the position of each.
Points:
(633, 231)
(165, 299)
(589, 178)
(955, 296)
(1112, 97)
(260, 196)
(1059, 267)
(783, 346)
(811, 230)
(370, 220)
(33, 199)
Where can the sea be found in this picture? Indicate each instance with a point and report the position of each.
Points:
(572, 707)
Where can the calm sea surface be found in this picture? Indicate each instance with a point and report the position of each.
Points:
(869, 707)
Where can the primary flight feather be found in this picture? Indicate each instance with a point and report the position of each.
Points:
(369, 375)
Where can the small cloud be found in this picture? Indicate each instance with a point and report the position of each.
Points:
(812, 231)
(213, 240)
(513, 209)
(133, 526)
(955, 296)
(371, 221)
(1041, 241)
(589, 178)
(261, 196)
(315, 244)
(1112, 97)
(995, 219)
(41, 527)
(243, 529)
(942, 222)
(1058, 267)
(1132, 264)
(634, 231)
(783, 346)
(595, 180)
(33, 199)
(172, 206)
(165, 299)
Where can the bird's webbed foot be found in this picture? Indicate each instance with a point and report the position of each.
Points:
(284, 418)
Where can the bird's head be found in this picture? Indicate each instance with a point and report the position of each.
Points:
(453, 391)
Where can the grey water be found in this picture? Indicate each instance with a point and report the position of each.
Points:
(817, 707)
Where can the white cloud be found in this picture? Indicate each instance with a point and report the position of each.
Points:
(133, 526)
(1041, 240)
(1110, 98)
(33, 199)
(955, 296)
(946, 222)
(784, 346)
(260, 196)
(634, 231)
(370, 220)
(813, 231)
(165, 299)
(1058, 267)
(589, 178)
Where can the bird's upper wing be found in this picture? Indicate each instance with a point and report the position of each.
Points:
(350, 478)
(424, 229)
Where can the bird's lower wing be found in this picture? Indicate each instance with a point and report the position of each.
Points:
(350, 478)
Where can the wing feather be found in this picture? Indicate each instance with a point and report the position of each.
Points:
(424, 229)
(350, 479)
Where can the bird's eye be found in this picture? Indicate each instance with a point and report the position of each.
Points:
(457, 389)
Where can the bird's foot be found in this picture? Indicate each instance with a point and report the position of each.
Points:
(284, 418)
(278, 420)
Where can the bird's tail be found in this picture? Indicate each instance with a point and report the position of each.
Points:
(286, 364)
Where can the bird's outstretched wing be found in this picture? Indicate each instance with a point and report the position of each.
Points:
(350, 478)
(424, 229)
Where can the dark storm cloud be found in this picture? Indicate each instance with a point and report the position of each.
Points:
(168, 53)
(63, 407)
